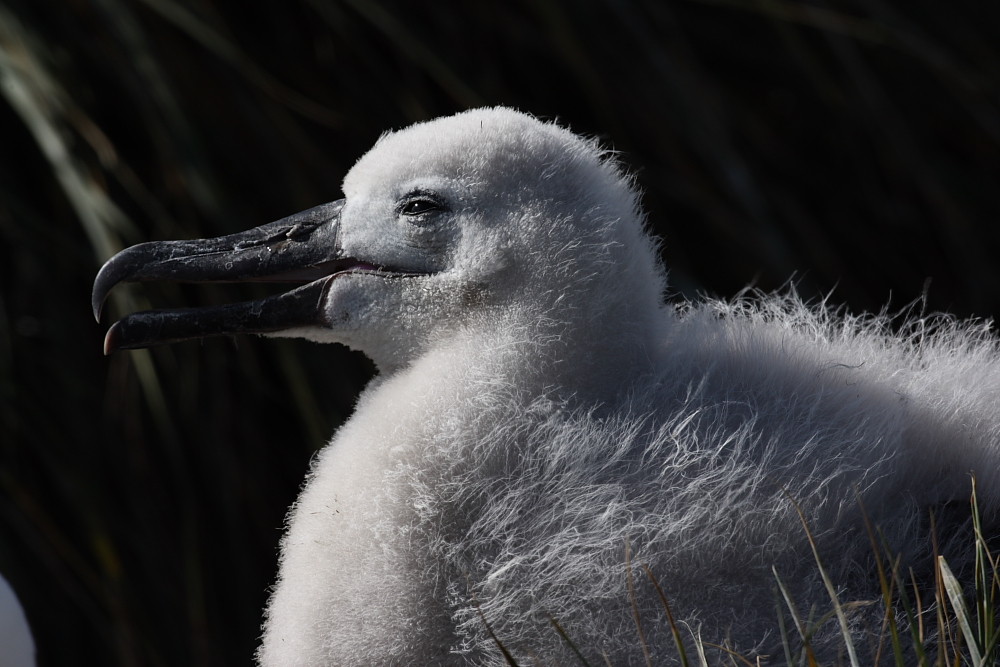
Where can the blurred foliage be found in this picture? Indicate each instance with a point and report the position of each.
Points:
(854, 145)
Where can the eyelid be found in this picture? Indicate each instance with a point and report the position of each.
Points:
(421, 196)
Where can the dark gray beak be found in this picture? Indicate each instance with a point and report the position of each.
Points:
(302, 248)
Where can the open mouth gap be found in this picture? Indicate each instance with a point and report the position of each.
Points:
(219, 292)
(334, 267)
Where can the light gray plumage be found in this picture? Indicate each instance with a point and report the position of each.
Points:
(17, 646)
(539, 411)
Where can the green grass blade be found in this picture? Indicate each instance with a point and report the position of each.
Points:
(987, 584)
(783, 630)
(954, 591)
(699, 646)
(507, 656)
(635, 605)
(674, 630)
(837, 607)
(887, 586)
(569, 642)
(807, 652)
(912, 612)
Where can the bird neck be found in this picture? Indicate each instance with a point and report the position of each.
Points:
(586, 359)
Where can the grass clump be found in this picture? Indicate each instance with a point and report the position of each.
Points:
(955, 623)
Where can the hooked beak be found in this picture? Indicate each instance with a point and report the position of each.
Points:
(302, 248)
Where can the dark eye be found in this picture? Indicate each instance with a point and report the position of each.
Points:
(419, 205)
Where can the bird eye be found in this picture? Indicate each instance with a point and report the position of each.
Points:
(420, 205)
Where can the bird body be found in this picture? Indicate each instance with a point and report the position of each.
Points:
(544, 427)
(480, 496)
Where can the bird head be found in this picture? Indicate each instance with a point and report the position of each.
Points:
(483, 214)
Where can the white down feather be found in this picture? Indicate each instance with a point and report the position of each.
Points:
(540, 413)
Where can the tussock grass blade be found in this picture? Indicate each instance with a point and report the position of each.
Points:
(837, 607)
(699, 646)
(954, 592)
(400, 33)
(888, 626)
(916, 628)
(569, 642)
(227, 50)
(946, 639)
(46, 110)
(912, 610)
(886, 585)
(987, 584)
(52, 118)
(635, 604)
(733, 655)
(807, 653)
(496, 640)
(674, 630)
(783, 630)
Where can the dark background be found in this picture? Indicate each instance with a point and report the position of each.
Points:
(855, 146)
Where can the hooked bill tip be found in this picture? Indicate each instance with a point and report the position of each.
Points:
(112, 339)
(106, 279)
